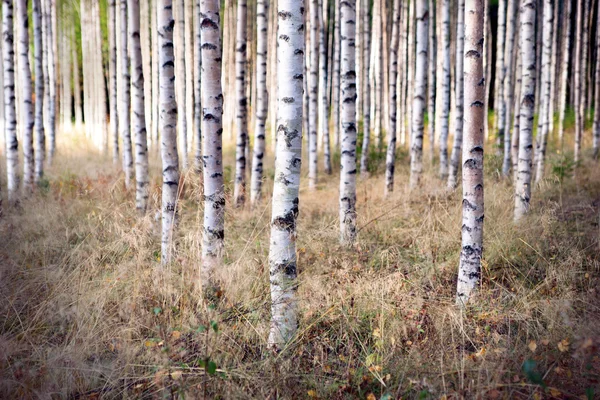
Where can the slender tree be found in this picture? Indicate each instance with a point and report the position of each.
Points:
(596, 128)
(263, 102)
(10, 113)
(390, 158)
(335, 102)
(469, 270)
(180, 78)
(432, 84)
(138, 108)
(197, 87)
(420, 93)
(155, 68)
(40, 138)
(48, 8)
(323, 77)
(458, 125)
(125, 104)
(366, 48)
(168, 126)
(348, 123)
(528, 74)
(564, 74)
(212, 127)
(445, 114)
(500, 72)
(579, 77)
(313, 85)
(282, 251)
(112, 77)
(239, 189)
(508, 90)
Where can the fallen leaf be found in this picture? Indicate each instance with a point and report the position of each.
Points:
(563, 345)
(493, 394)
(176, 375)
(532, 346)
(554, 392)
(371, 396)
(545, 342)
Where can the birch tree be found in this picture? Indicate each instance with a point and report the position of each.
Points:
(262, 104)
(335, 102)
(212, 127)
(138, 108)
(10, 113)
(26, 106)
(125, 103)
(282, 251)
(323, 77)
(596, 127)
(197, 86)
(40, 139)
(112, 78)
(366, 48)
(508, 90)
(458, 125)
(527, 16)
(348, 123)
(420, 93)
(469, 270)
(445, 112)
(432, 84)
(566, 58)
(313, 84)
(48, 11)
(180, 78)
(168, 126)
(239, 188)
(390, 158)
(500, 70)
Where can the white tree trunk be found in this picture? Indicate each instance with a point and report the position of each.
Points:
(239, 189)
(189, 75)
(282, 251)
(528, 74)
(10, 113)
(335, 103)
(25, 97)
(564, 75)
(168, 126)
(323, 106)
(313, 84)
(124, 109)
(262, 104)
(212, 127)
(76, 87)
(138, 108)
(112, 79)
(364, 158)
(507, 91)
(596, 128)
(40, 139)
(146, 58)
(155, 68)
(51, 88)
(445, 112)
(390, 158)
(432, 84)
(458, 124)
(348, 124)
(197, 88)
(544, 118)
(420, 93)
(499, 104)
(180, 78)
(469, 270)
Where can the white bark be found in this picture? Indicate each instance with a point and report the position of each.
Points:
(125, 102)
(432, 84)
(25, 97)
(112, 79)
(323, 106)
(507, 91)
(390, 158)
(147, 67)
(528, 75)
(596, 128)
(155, 68)
(469, 270)
(420, 93)
(262, 104)
(180, 78)
(168, 126)
(335, 103)
(76, 87)
(10, 114)
(544, 118)
(138, 108)
(212, 127)
(282, 252)
(500, 72)
(445, 112)
(40, 138)
(364, 158)
(458, 124)
(313, 84)
(239, 188)
(189, 76)
(48, 7)
(197, 87)
(348, 123)
(566, 59)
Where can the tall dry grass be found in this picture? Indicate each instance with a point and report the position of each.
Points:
(87, 311)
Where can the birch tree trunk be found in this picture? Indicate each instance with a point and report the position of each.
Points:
(124, 110)
(155, 68)
(263, 102)
(366, 89)
(432, 84)
(445, 114)
(239, 189)
(180, 78)
(25, 87)
(197, 20)
(51, 88)
(40, 139)
(528, 74)
(500, 72)
(76, 87)
(323, 114)
(138, 108)
(411, 68)
(390, 158)
(282, 251)
(168, 126)
(511, 21)
(420, 93)
(458, 125)
(348, 124)
(147, 66)
(336, 79)
(189, 75)
(10, 113)
(579, 50)
(564, 75)
(469, 269)
(313, 84)
(112, 81)
(596, 128)
(516, 124)
(212, 126)
(544, 118)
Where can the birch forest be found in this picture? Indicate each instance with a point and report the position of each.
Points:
(292, 199)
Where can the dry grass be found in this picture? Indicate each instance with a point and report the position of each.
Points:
(86, 310)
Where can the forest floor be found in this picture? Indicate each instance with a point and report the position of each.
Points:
(86, 311)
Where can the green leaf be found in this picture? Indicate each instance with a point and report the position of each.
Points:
(589, 393)
(201, 329)
(157, 310)
(529, 369)
(211, 368)
(214, 325)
